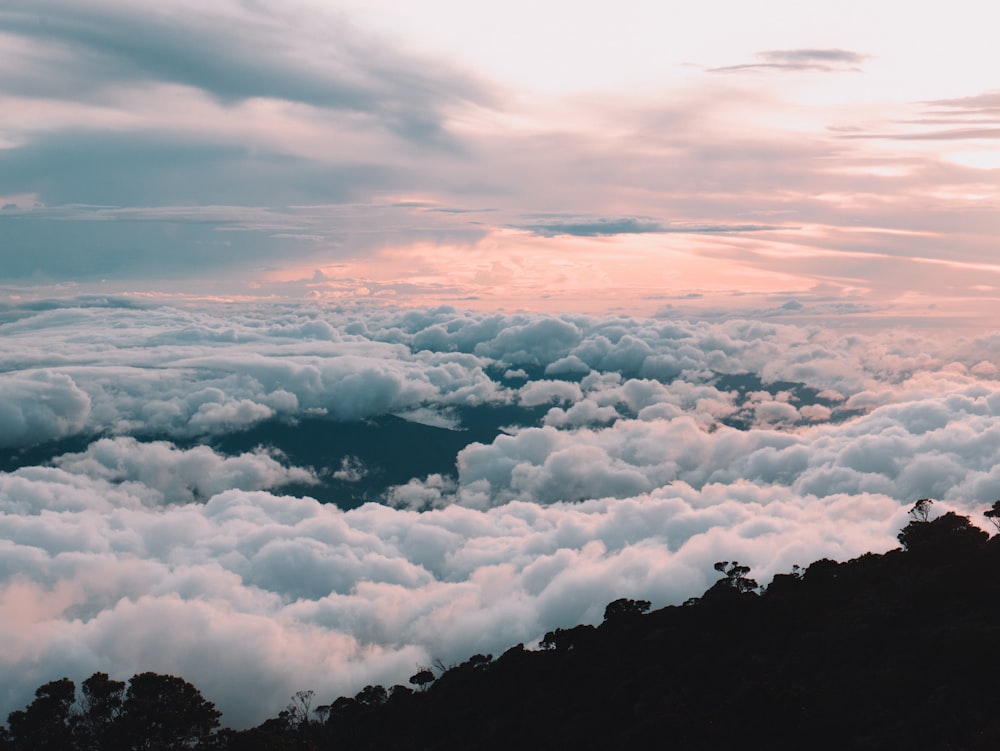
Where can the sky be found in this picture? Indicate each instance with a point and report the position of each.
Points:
(340, 339)
(580, 155)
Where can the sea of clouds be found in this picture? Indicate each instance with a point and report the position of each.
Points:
(144, 548)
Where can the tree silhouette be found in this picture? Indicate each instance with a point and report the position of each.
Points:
(950, 533)
(165, 712)
(624, 607)
(478, 661)
(298, 709)
(372, 696)
(736, 576)
(921, 510)
(98, 712)
(993, 514)
(566, 638)
(827, 653)
(422, 678)
(44, 725)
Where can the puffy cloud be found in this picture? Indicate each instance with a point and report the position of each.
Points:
(534, 342)
(544, 392)
(189, 373)
(179, 476)
(253, 596)
(40, 405)
(911, 450)
(668, 445)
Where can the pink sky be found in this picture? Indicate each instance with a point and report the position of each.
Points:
(576, 156)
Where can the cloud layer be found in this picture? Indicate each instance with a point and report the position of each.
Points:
(640, 451)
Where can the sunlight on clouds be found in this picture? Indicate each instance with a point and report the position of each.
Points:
(514, 269)
(983, 158)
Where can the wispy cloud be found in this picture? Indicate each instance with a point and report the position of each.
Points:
(955, 134)
(604, 226)
(984, 105)
(232, 52)
(202, 145)
(823, 60)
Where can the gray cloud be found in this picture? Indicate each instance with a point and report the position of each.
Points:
(602, 226)
(984, 105)
(235, 52)
(160, 169)
(954, 134)
(824, 60)
(161, 112)
(971, 118)
(137, 126)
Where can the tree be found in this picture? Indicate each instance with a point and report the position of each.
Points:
(478, 662)
(993, 514)
(98, 713)
(165, 712)
(624, 607)
(566, 638)
(372, 696)
(736, 576)
(44, 725)
(921, 510)
(947, 534)
(422, 678)
(298, 709)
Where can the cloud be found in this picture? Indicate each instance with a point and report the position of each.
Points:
(201, 376)
(604, 226)
(928, 447)
(972, 118)
(179, 476)
(191, 148)
(635, 453)
(979, 106)
(236, 52)
(41, 405)
(253, 597)
(101, 366)
(195, 171)
(954, 134)
(823, 60)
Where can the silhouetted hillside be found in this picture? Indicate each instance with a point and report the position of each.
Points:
(892, 651)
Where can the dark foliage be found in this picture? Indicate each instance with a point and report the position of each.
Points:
(625, 608)
(45, 723)
(156, 712)
(993, 514)
(882, 652)
(947, 535)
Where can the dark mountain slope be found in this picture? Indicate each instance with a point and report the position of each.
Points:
(892, 651)
(882, 652)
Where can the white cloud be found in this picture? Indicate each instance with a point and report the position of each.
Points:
(39, 405)
(253, 596)
(136, 554)
(545, 392)
(179, 476)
